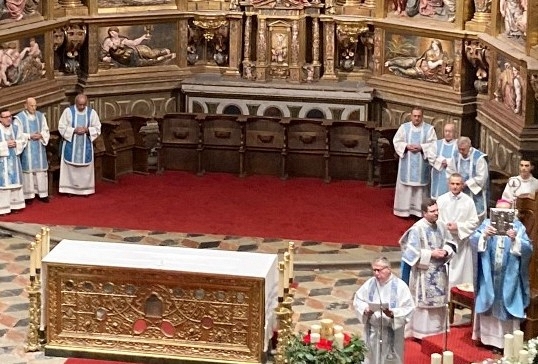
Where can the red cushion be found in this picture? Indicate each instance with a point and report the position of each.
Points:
(458, 292)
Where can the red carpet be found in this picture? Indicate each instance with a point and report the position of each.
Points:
(219, 203)
(460, 343)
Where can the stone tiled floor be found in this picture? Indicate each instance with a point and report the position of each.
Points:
(327, 275)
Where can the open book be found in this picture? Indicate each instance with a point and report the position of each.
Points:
(377, 306)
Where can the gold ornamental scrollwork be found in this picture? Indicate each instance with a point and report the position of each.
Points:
(350, 30)
(209, 25)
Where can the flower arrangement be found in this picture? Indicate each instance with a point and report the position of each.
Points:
(301, 350)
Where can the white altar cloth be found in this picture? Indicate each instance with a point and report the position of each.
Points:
(218, 262)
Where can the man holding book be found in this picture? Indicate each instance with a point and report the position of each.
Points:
(502, 275)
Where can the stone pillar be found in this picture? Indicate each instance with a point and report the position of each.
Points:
(328, 56)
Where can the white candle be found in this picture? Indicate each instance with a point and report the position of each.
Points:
(38, 248)
(338, 329)
(315, 329)
(32, 259)
(314, 338)
(448, 357)
(518, 342)
(436, 358)
(508, 346)
(523, 356)
(286, 270)
(281, 279)
(339, 340)
(47, 245)
(326, 328)
(44, 239)
(291, 250)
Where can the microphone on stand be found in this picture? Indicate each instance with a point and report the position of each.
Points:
(380, 345)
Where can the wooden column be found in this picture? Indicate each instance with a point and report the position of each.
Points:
(234, 52)
(329, 52)
(261, 52)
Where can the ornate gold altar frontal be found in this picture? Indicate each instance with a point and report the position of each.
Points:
(111, 311)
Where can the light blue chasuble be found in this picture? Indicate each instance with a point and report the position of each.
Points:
(414, 170)
(79, 151)
(34, 156)
(502, 286)
(439, 183)
(10, 166)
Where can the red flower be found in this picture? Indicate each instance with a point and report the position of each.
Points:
(324, 344)
(347, 339)
(306, 339)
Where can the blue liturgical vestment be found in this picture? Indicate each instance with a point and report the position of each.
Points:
(34, 156)
(10, 164)
(79, 151)
(502, 277)
(413, 169)
(429, 278)
(439, 178)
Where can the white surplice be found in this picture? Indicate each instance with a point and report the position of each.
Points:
(396, 295)
(518, 186)
(461, 210)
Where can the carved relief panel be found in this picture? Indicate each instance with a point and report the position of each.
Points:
(21, 61)
(136, 45)
(420, 58)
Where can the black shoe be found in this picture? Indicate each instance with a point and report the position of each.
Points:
(29, 201)
(45, 199)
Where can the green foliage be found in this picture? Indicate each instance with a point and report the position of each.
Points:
(400, 46)
(298, 352)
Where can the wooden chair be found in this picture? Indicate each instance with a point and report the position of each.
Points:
(528, 214)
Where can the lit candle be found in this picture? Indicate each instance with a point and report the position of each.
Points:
(436, 358)
(523, 356)
(326, 328)
(32, 259)
(338, 329)
(286, 271)
(280, 279)
(448, 357)
(518, 342)
(338, 340)
(314, 338)
(38, 248)
(291, 250)
(315, 329)
(508, 346)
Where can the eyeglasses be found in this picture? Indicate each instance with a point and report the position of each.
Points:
(379, 270)
(5, 117)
